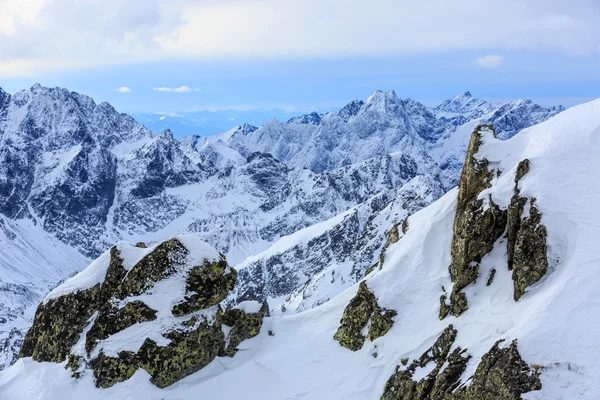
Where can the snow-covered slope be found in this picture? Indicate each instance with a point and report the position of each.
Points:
(556, 356)
(32, 262)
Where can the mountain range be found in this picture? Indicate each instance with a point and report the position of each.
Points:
(488, 292)
(301, 207)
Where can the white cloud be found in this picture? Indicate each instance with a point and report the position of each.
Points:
(180, 89)
(45, 35)
(489, 61)
(123, 89)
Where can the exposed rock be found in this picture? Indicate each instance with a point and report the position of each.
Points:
(476, 228)
(157, 265)
(515, 210)
(526, 244)
(392, 237)
(435, 385)
(530, 258)
(111, 370)
(188, 352)
(491, 277)
(362, 309)
(58, 324)
(242, 326)
(501, 375)
(405, 225)
(208, 285)
(74, 363)
(111, 307)
(111, 320)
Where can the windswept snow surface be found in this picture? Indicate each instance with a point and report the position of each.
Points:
(555, 321)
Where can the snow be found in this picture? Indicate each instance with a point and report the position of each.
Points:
(249, 306)
(95, 273)
(553, 321)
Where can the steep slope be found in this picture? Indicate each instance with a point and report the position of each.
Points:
(406, 351)
(32, 262)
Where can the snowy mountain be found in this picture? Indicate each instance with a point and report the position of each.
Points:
(83, 176)
(488, 293)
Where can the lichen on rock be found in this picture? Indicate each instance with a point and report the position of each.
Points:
(530, 261)
(242, 326)
(392, 237)
(121, 302)
(111, 370)
(362, 309)
(111, 320)
(501, 375)
(188, 352)
(207, 284)
(155, 266)
(57, 325)
(476, 228)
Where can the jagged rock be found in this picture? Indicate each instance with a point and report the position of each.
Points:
(208, 285)
(111, 320)
(515, 210)
(111, 370)
(475, 229)
(501, 375)
(526, 239)
(392, 237)
(57, 325)
(401, 385)
(405, 225)
(188, 352)
(242, 326)
(530, 258)
(362, 309)
(74, 363)
(114, 275)
(194, 342)
(491, 277)
(157, 265)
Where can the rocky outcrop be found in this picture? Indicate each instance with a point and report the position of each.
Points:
(362, 312)
(197, 328)
(526, 245)
(208, 285)
(501, 374)
(476, 228)
(58, 324)
(478, 224)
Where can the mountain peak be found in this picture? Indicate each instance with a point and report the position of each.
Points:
(166, 134)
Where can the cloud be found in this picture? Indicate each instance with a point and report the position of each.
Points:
(123, 89)
(180, 89)
(489, 61)
(37, 36)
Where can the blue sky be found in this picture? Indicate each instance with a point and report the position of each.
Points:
(301, 55)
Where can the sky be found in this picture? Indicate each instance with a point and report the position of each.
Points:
(188, 55)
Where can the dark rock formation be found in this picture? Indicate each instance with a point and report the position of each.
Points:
(362, 309)
(194, 342)
(476, 230)
(501, 374)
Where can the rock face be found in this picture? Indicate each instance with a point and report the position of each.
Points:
(76, 321)
(476, 228)
(363, 312)
(501, 375)
(478, 224)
